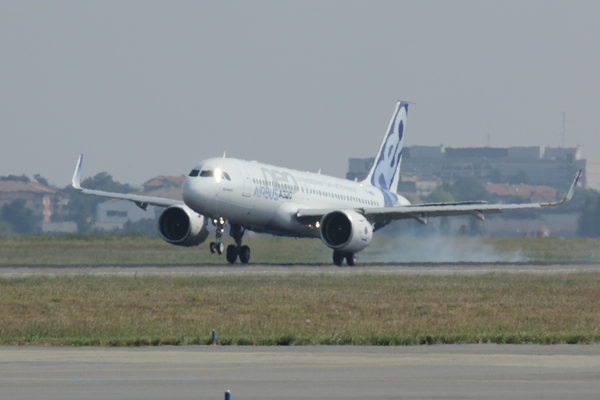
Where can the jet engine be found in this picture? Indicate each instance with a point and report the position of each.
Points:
(346, 230)
(181, 226)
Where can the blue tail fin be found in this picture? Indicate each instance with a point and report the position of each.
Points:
(385, 173)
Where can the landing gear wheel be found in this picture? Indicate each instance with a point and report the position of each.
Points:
(338, 258)
(244, 254)
(232, 253)
(218, 247)
(351, 259)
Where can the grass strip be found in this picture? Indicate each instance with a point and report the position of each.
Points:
(300, 310)
(77, 249)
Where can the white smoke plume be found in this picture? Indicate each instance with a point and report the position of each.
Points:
(437, 249)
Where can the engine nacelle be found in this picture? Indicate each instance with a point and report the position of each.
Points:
(181, 226)
(346, 230)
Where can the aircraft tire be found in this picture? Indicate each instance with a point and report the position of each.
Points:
(338, 258)
(213, 247)
(232, 253)
(220, 248)
(244, 254)
(351, 259)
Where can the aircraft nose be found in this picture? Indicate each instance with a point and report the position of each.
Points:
(189, 191)
(195, 192)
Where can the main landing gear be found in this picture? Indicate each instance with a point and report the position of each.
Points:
(339, 257)
(233, 250)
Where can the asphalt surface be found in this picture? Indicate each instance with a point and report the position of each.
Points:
(311, 372)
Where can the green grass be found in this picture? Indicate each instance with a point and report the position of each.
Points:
(360, 309)
(550, 249)
(134, 249)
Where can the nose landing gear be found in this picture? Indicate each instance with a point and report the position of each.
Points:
(218, 246)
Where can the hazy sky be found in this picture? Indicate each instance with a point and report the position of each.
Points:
(144, 88)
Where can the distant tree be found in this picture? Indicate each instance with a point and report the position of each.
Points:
(445, 193)
(104, 181)
(589, 221)
(15, 178)
(520, 178)
(464, 189)
(40, 179)
(21, 219)
(496, 176)
(82, 210)
(578, 203)
(469, 189)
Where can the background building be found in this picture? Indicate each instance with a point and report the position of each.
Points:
(513, 174)
(425, 167)
(44, 201)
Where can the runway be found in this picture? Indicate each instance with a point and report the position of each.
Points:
(456, 268)
(321, 372)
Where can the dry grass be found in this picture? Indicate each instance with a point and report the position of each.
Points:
(295, 310)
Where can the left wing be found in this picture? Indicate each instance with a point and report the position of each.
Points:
(142, 201)
(421, 212)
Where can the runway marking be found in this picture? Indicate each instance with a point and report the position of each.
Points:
(423, 380)
(209, 368)
(134, 380)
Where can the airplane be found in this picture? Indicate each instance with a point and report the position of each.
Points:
(251, 196)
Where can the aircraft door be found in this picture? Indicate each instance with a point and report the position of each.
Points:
(247, 187)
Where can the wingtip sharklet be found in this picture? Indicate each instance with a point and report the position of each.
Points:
(570, 193)
(573, 186)
(76, 181)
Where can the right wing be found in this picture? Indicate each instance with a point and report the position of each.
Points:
(421, 212)
(142, 201)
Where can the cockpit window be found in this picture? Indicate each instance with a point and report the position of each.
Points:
(223, 175)
(194, 172)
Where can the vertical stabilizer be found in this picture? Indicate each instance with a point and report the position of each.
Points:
(385, 173)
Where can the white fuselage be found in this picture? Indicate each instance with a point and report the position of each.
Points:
(265, 198)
